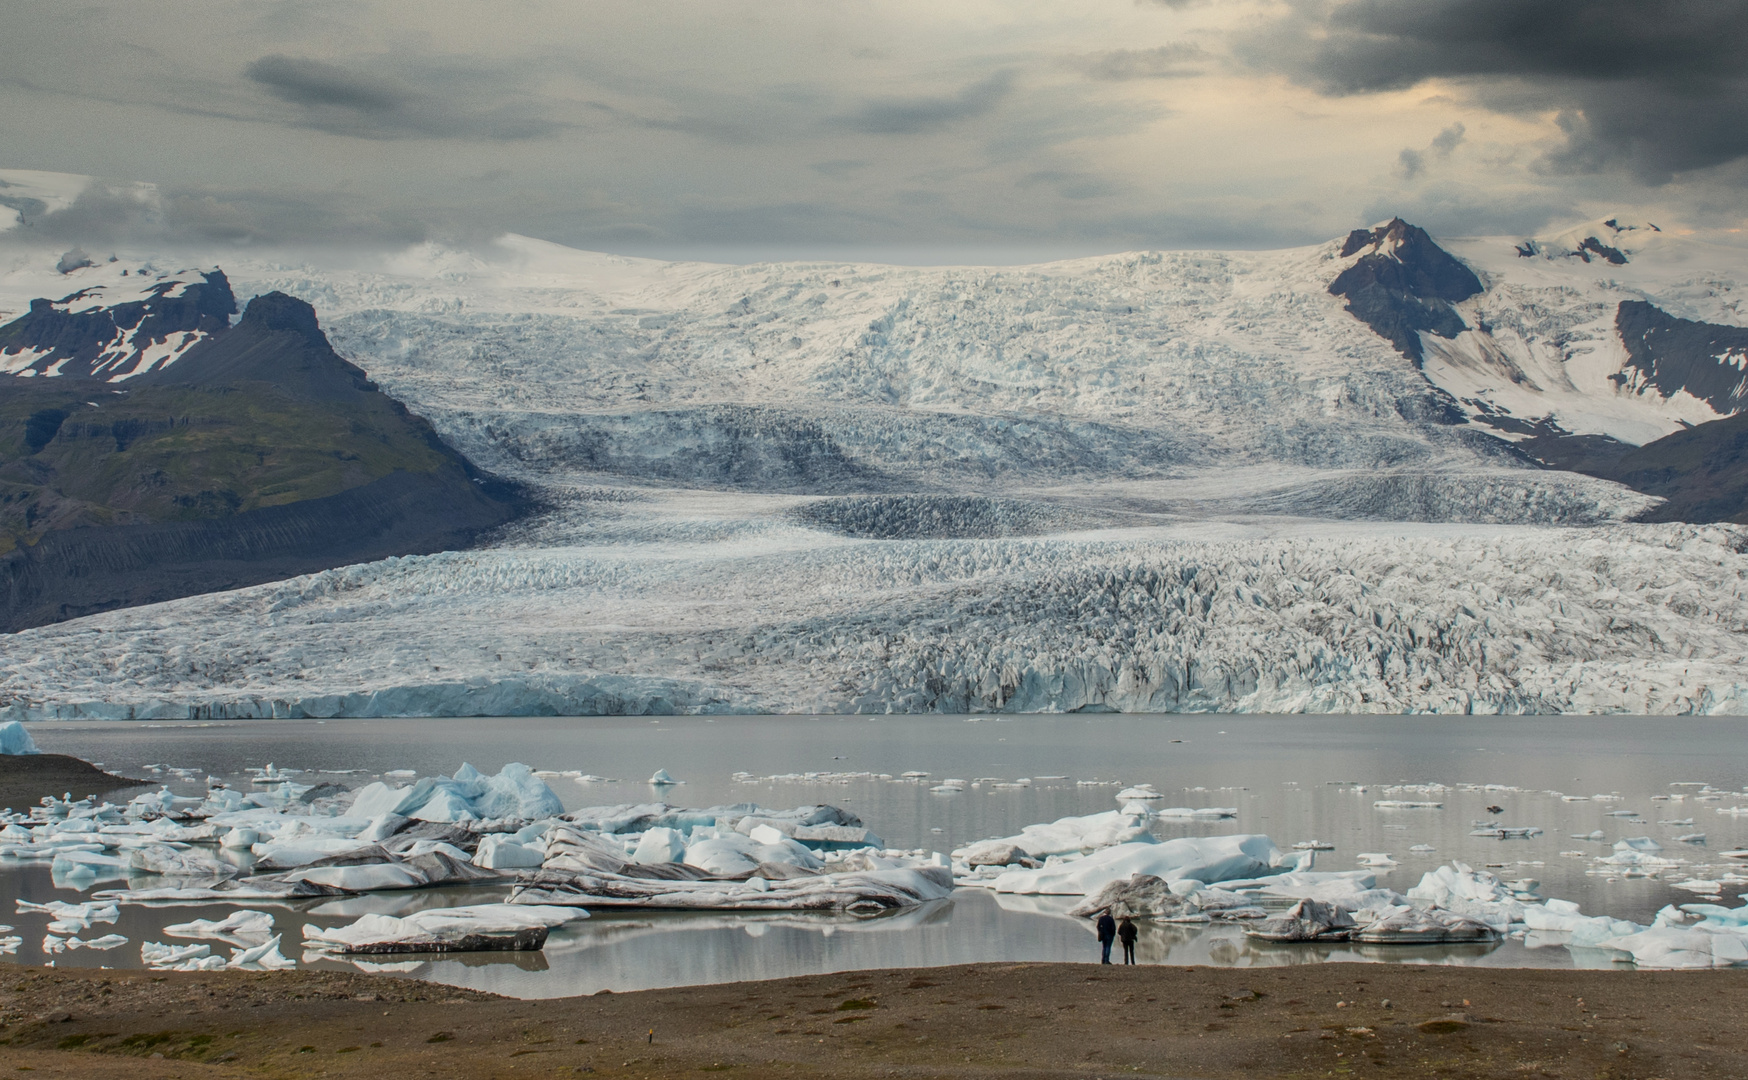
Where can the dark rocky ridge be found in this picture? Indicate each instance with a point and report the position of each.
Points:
(100, 342)
(1708, 360)
(1404, 286)
(1702, 472)
(259, 454)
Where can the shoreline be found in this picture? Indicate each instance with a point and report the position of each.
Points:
(1034, 1020)
(26, 779)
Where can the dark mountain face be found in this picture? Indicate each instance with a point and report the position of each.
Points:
(258, 453)
(1669, 354)
(1702, 472)
(1404, 285)
(79, 336)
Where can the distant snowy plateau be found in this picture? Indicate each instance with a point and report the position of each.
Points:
(1159, 481)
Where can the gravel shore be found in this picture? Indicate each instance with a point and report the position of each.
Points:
(988, 1020)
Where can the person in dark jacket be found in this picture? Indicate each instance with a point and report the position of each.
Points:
(1127, 933)
(1107, 933)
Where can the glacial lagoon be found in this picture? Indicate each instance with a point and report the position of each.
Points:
(1293, 778)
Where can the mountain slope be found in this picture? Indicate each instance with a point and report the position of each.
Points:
(255, 453)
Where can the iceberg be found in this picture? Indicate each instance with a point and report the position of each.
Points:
(170, 862)
(660, 845)
(477, 928)
(514, 792)
(1306, 920)
(864, 892)
(14, 739)
(1208, 860)
(1701, 946)
(1423, 926)
(497, 852)
(1068, 835)
(1459, 889)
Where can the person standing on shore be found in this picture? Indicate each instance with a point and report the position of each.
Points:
(1127, 932)
(1107, 933)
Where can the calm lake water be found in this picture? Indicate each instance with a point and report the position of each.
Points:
(1294, 778)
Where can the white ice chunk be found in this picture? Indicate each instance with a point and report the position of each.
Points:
(238, 924)
(265, 956)
(1682, 947)
(660, 845)
(302, 850)
(457, 929)
(14, 739)
(158, 954)
(1206, 859)
(497, 852)
(721, 857)
(372, 877)
(1071, 835)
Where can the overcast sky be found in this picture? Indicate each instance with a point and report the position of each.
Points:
(993, 129)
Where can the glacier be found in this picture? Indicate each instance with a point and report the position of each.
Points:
(1437, 618)
(1153, 481)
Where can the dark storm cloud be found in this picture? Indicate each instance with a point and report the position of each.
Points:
(311, 82)
(108, 213)
(1656, 86)
(913, 116)
(444, 103)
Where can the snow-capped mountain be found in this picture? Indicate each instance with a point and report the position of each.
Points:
(1611, 329)
(122, 322)
(1156, 480)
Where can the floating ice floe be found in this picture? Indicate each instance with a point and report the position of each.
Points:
(1207, 860)
(1313, 845)
(263, 957)
(1066, 835)
(662, 779)
(179, 957)
(1406, 804)
(74, 917)
(475, 928)
(1152, 897)
(1507, 832)
(239, 924)
(855, 892)
(1205, 813)
(1306, 920)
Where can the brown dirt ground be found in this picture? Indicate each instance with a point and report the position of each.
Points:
(987, 1020)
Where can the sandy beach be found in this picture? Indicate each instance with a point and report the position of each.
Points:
(1031, 1020)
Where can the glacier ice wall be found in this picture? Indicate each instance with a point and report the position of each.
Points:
(1620, 618)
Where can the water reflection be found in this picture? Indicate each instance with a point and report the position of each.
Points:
(1294, 778)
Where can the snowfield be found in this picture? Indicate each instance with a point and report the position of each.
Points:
(1150, 481)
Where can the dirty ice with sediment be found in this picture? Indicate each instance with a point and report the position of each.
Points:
(1155, 481)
